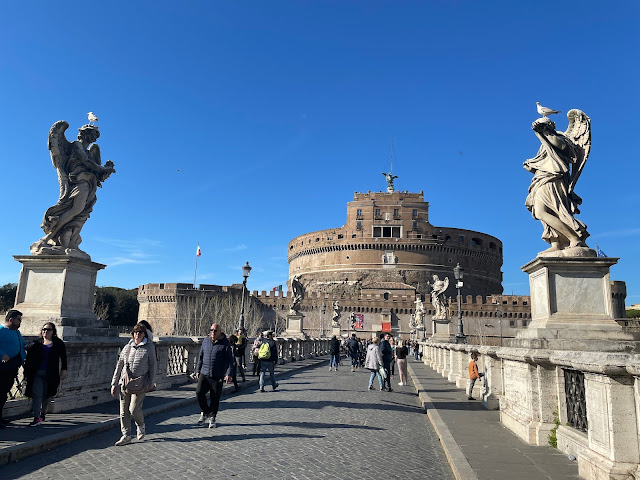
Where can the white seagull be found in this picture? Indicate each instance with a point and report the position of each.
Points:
(544, 111)
(92, 118)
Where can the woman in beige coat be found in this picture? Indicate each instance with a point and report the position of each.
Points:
(139, 356)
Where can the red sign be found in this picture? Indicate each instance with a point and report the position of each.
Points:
(386, 326)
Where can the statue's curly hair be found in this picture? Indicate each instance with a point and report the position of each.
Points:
(89, 128)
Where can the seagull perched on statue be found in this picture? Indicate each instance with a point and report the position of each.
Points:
(92, 118)
(544, 111)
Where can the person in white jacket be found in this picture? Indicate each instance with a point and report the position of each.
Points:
(139, 357)
(373, 362)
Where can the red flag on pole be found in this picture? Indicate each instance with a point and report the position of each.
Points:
(198, 251)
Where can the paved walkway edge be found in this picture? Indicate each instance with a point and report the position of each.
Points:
(33, 447)
(457, 461)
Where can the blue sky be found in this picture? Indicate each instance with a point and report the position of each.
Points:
(241, 125)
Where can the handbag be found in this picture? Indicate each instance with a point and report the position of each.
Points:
(134, 385)
(383, 372)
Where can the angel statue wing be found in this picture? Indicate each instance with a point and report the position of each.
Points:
(579, 132)
(445, 285)
(60, 149)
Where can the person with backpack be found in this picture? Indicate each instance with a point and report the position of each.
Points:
(255, 349)
(215, 366)
(268, 355)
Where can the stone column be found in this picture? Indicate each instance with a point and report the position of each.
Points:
(492, 367)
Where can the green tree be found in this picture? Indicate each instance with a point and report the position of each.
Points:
(632, 313)
(117, 305)
(7, 297)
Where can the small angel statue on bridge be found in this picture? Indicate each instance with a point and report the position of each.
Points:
(556, 169)
(437, 297)
(337, 313)
(80, 173)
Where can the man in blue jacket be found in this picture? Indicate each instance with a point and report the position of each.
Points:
(215, 364)
(12, 355)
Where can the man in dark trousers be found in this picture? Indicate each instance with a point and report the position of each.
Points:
(215, 364)
(387, 357)
(334, 353)
(353, 347)
(268, 364)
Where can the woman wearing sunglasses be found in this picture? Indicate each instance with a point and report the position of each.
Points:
(42, 370)
(136, 364)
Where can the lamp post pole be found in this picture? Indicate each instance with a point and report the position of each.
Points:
(458, 272)
(245, 273)
(323, 309)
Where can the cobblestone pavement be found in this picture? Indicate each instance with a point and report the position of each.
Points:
(317, 424)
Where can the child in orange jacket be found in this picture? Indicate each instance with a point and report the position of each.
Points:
(473, 374)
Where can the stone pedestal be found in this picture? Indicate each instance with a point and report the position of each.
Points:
(295, 325)
(571, 306)
(442, 331)
(59, 289)
(336, 330)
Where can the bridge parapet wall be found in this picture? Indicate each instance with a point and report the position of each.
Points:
(589, 402)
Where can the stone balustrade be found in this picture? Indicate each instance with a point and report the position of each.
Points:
(91, 363)
(590, 400)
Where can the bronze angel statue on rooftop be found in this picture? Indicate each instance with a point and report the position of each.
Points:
(80, 173)
(556, 169)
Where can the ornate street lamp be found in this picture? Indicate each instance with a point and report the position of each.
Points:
(458, 272)
(245, 273)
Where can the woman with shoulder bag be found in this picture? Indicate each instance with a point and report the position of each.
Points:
(135, 373)
(42, 370)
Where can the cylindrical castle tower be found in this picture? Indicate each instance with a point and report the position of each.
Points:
(388, 238)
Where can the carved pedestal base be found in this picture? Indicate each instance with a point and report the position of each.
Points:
(442, 331)
(295, 326)
(571, 306)
(59, 289)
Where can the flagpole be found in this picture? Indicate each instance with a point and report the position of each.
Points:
(195, 273)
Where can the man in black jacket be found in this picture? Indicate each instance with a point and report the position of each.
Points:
(268, 364)
(387, 358)
(215, 364)
(353, 347)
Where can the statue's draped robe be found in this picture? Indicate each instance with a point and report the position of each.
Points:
(81, 179)
(550, 185)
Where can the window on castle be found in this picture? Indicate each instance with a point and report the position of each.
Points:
(358, 226)
(377, 212)
(340, 236)
(414, 213)
(415, 225)
(492, 245)
(387, 232)
(476, 242)
(396, 212)
(353, 235)
(359, 212)
(386, 295)
(461, 239)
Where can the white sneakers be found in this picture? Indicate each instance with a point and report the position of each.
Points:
(202, 418)
(212, 422)
(141, 431)
(400, 383)
(124, 440)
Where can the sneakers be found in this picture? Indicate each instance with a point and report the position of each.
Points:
(212, 422)
(330, 368)
(35, 422)
(353, 369)
(43, 415)
(262, 389)
(276, 386)
(470, 398)
(389, 389)
(400, 383)
(370, 387)
(202, 418)
(141, 432)
(382, 388)
(124, 440)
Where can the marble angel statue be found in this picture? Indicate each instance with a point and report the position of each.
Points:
(420, 311)
(80, 173)
(556, 169)
(337, 313)
(298, 293)
(438, 288)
